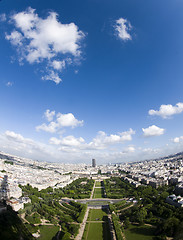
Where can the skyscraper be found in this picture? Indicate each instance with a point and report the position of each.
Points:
(93, 163)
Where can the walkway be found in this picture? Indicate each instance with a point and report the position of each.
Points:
(82, 228)
(91, 196)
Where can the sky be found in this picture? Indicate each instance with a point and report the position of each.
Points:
(91, 79)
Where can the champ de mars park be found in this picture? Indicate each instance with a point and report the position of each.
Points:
(90, 201)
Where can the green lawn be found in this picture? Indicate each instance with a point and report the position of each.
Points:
(97, 230)
(35, 218)
(139, 232)
(98, 184)
(98, 193)
(48, 232)
(97, 215)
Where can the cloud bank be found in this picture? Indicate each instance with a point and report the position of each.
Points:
(100, 142)
(68, 150)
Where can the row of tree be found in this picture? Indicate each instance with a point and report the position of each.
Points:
(117, 227)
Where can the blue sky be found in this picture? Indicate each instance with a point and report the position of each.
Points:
(91, 79)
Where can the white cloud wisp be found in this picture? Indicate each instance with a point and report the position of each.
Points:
(178, 139)
(2, 17)
(122, 28)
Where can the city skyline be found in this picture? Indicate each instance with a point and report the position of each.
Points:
(91, 80)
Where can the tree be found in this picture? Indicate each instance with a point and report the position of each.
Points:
(164, 195)
(141, 215)
(179, 232)
(126, 223)
(67, 236)
(171, 226)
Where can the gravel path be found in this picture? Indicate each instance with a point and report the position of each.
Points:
(82, 228)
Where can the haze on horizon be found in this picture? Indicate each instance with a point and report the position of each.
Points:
(82, 80)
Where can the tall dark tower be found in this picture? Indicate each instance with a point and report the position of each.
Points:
(93, 163)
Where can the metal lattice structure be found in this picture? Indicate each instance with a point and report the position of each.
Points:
(4, 190)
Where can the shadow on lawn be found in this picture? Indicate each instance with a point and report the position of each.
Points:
(105, 226)
(105, 231)
(142, 231)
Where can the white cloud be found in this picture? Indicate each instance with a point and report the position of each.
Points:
(129, 149)
(100, 142)
(47, 39)
(15, 38)
(52, 76)
(58, 65)
(9, 84)
(153, 131)
(2, 17)
(122, 28)
(178, 139)
(14, 136)
(67, 141)
(68, 120)
(102, 139)
(62, 120)
(151, 150)
(16, 144)
(52, 127)
(55, 141)
(49, 115)
(166, 111)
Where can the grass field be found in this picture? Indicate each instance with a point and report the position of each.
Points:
(97, 215)
(48, 232)
(98, 184)
(98, 193)
(139, 233)
(97, 230)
